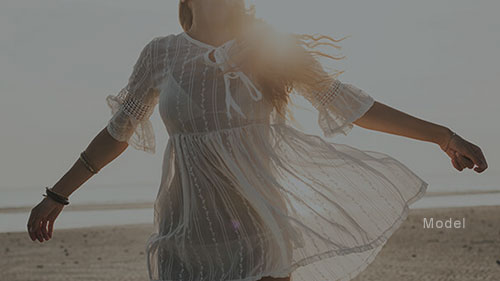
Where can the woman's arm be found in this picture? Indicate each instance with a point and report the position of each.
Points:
(101, 150)
(383, 118)
(131, 109)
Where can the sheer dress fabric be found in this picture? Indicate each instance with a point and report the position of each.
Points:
(244, 195)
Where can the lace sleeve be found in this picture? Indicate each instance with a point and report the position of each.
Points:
(132, 107)
(339, 106)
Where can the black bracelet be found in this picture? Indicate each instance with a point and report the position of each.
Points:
(56, 197)
(49, 190)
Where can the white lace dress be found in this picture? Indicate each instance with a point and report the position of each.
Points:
(244, 195)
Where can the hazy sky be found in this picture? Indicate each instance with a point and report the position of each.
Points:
(436, 60)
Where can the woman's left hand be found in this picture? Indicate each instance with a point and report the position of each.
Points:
(42, 218)
(464, 154)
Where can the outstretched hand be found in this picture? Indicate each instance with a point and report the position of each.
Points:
(464, 154)
(42, 218)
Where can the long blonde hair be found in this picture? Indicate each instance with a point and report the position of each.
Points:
(278, 71)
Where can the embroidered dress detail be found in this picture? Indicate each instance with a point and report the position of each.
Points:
(243, 196)
(222, 60)
(133, 108)
(329, 95)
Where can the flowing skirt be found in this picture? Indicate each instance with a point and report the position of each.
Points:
(270, 200)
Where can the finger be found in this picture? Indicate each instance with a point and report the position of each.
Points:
(38, 231)
(465, 161)
(51, 227)
(481, 160)
(460, 160)
(35, 225)
(468, 162)
(44, 230)
(456, 164)
(471, 152)
(479, 169)
(450, 152)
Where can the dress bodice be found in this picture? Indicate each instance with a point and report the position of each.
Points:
(196, 96)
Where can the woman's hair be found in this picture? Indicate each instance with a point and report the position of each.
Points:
(282, 62)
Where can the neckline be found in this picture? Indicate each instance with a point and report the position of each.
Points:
(200, 43)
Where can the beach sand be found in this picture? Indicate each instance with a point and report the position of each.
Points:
(118, 252)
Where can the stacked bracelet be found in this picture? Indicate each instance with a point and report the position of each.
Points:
(86, 162)
(56, 196)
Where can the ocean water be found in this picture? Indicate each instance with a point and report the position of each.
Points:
(16, 203)
(87, 194)
(10, 222)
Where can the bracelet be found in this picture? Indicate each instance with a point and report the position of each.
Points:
(449, 140)
(57, 200)
(55, 196)
(86, 162)
(49, 190)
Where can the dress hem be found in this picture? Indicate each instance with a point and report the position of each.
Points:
(378, 242)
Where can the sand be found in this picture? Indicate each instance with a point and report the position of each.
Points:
(118, 252)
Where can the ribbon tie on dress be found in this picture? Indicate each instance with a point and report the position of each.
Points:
(222, 60)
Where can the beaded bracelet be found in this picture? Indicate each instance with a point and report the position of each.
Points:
(86, 162)
(55, 193)
(56, 196)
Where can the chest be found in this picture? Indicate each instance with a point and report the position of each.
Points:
(194, 97)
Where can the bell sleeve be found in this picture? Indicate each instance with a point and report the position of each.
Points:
(132, 107)
(339, 106)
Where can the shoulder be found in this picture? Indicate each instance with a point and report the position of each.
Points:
(157, 47)
(161, 40)
(156, 53)
(157, 43)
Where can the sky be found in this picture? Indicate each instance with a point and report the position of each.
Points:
(435, 60)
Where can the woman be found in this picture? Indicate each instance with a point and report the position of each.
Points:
(243, 195)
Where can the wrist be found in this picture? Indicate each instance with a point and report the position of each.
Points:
(62, 193)
(56, 197)
(51, 201)
(443, 136)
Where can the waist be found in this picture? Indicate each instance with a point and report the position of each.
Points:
(225, 130)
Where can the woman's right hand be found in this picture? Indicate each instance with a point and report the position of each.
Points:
(42, 215)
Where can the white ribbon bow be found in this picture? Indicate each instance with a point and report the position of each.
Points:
(222, 60)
